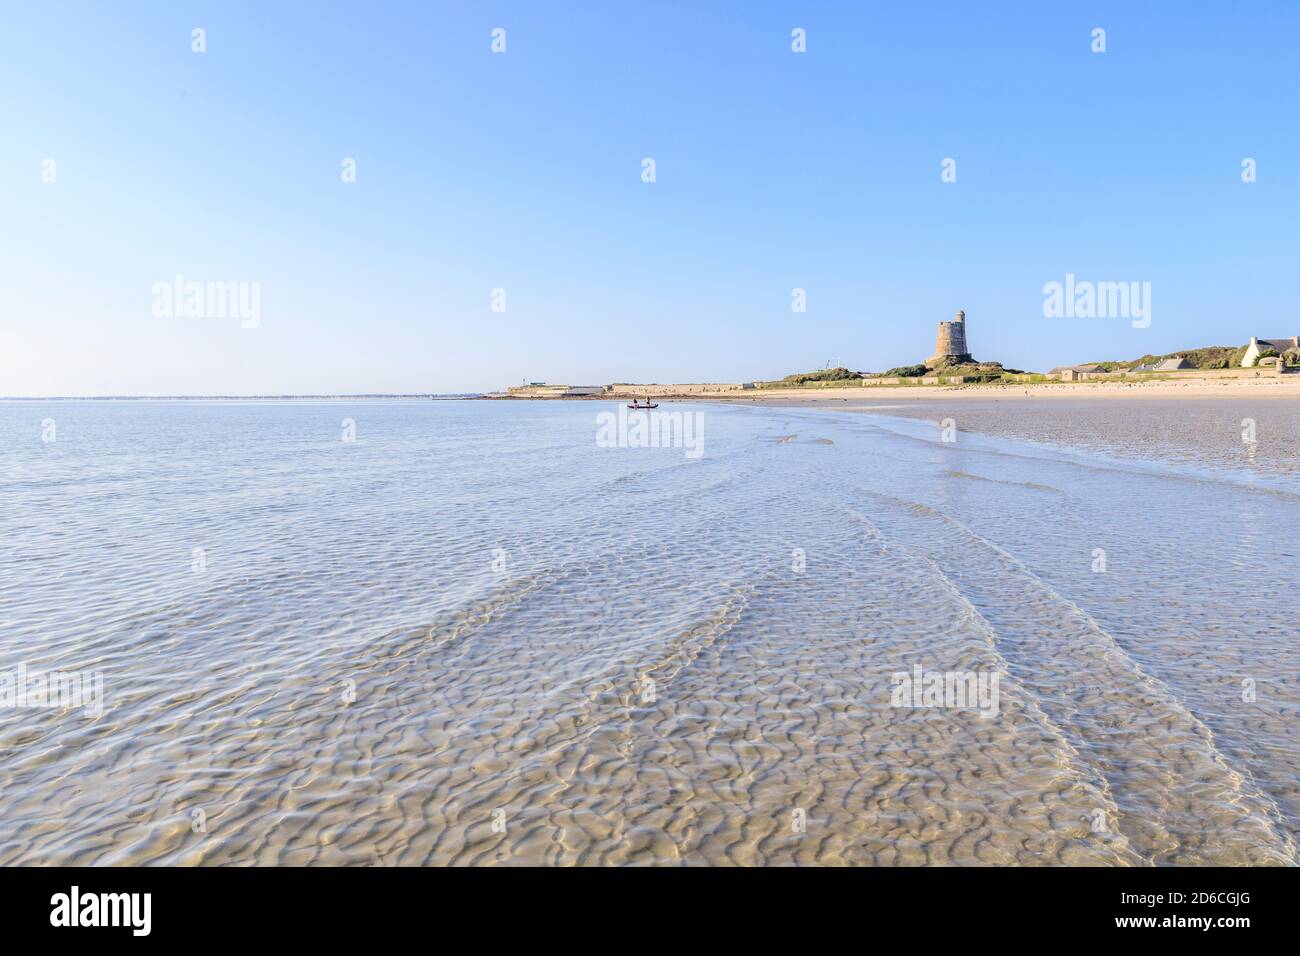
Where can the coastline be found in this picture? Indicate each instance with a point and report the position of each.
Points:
(1262, 388)
(1269, 387)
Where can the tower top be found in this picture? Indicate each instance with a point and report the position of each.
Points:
(961, 316)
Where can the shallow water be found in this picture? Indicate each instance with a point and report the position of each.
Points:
(1190, 432)
(472, 635)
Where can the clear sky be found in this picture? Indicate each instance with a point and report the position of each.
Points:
(522, 171)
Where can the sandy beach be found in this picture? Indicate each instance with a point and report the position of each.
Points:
(1265, 387)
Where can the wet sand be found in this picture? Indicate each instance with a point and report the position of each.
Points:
(1189, 425)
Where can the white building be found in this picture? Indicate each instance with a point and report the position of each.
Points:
(1257, 346)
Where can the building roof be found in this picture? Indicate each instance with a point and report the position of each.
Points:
(1280, 345)
(1171, 364)
(1075, 368)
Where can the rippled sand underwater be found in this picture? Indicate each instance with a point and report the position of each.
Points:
(472, 636)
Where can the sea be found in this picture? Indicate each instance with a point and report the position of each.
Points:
(416, 632)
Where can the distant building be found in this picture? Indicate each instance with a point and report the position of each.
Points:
(1172, 364)
(950, 342)
(1257, 346)
(1073, 373)
(542, 390)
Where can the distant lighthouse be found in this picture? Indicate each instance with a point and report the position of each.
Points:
(950, 343)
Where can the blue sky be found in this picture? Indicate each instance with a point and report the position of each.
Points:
(522, 171)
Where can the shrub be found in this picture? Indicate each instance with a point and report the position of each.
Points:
(824, 375)
(908, 371)
(1266, 353)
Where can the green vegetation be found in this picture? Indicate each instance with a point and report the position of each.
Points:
(825, 375)
(1026, 377)
(975, 371)
(1213, 356)
(1265, 353)
(972, 372)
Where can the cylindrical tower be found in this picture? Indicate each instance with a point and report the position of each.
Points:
(957, 335)
(950, 342)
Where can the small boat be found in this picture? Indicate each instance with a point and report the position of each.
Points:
(648, 404)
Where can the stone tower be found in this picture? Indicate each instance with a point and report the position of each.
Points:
(950, 343)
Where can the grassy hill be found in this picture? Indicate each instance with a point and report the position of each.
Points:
(1213, 356)
(971, 371)
(824, 375)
